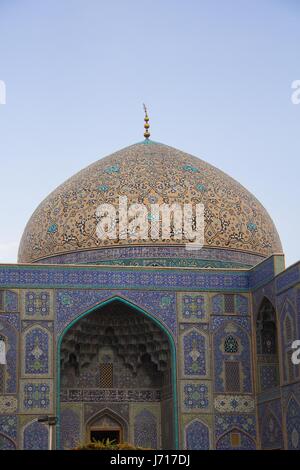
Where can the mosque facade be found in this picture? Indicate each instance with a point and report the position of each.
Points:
(146, 341)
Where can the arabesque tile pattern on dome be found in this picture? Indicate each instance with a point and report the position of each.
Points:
(65, 221)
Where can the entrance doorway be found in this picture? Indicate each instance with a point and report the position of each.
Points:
(119, 364)
(104, 434)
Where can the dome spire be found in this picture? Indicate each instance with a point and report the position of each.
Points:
(146, 125)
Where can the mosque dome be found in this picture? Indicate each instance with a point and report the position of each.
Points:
(147, 172)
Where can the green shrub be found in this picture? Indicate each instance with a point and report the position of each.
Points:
(107, 445)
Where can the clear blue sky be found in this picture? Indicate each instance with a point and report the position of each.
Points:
(216, 76)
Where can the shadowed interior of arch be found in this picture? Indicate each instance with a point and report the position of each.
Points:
(117, 357)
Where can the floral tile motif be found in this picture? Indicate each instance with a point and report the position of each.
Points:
(8, 324)
(196, 396)
(35, 436)
(234, 403)
(8, 404)
(71, 303)
(70, 428)
(36, 396)
(293, 424)
(195, 350)
(234, 219)
(37, 352)
(235, 440)
(192, 307)
(37, 304)
(197, 436)
(246, 423)
(145, 430)
(8, 426)
(270, 421)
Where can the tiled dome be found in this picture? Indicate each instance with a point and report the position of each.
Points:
(148, 172)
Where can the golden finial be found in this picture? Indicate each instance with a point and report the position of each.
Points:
(146, 125)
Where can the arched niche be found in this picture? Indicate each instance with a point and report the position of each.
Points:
(267, 346)
(150, 352)
(106, 424)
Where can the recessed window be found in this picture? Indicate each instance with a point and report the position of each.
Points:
(232, 376)
(102, 435)
(235, 439)
(229, 306)
(106, 375)
(231, 345)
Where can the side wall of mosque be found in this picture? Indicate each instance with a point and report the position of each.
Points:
(234, 385)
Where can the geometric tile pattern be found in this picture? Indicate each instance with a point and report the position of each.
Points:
(6, 443)
(8, 404)
(293, 424)
(37, 304)
(268, 376)
(71, 303)
(225, 442)
(70, 428)
(36, 351)
(35, 436)
(8, 426)
(232, 326)
(11, 301)
(196, 436)
(147, 172)
(246, 423)
(196, 396)
(145, 430)
(234, 403)
(36, 396)
(8, 331)
(192, 307)
(95, 276)
(195, 350)
(238, 305)
(270, 423)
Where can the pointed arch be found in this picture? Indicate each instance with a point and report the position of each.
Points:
(195, 357)
(232, 376)
(196, 435)
(267, 346)
(35, 436)
(271, 431)
(235, 439)
(288, 316)
(288, 335)
(6, 443)
(155, 320)
(292, 421)
(9, 370)
(37, 345)
(107, 411)
(113, 415)
(145, 429)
